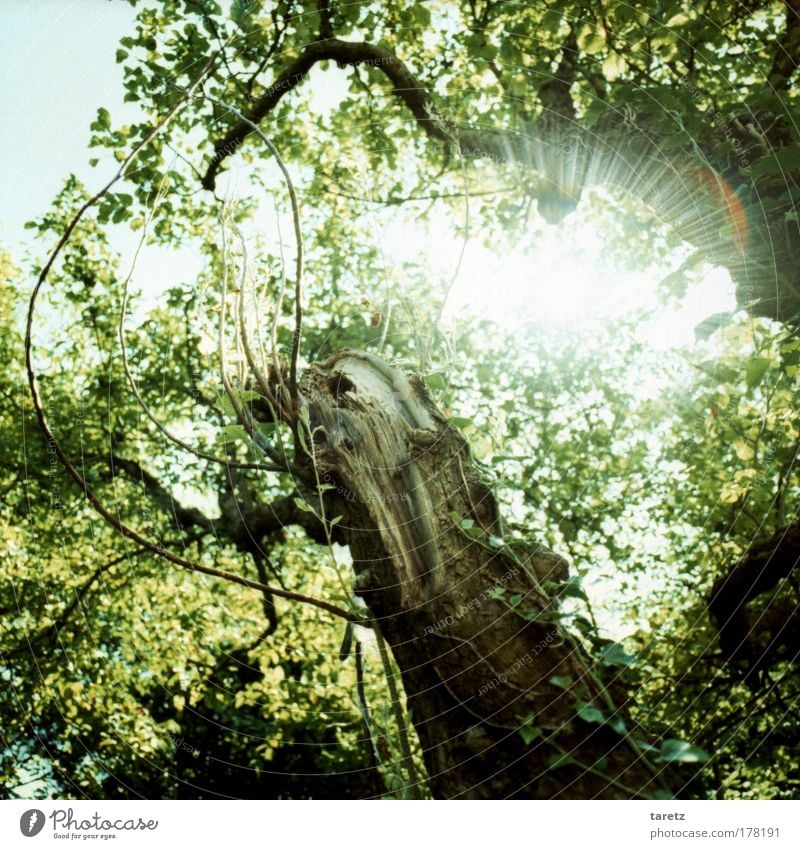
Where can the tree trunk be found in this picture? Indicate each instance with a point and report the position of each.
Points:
(471, 620)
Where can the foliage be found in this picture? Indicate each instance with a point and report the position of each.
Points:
(654, 472)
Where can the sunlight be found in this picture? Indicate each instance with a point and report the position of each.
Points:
(566, 279)
(566, 276)
(558, 280)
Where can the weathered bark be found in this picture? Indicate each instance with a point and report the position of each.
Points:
(476, 665)
(756, 639)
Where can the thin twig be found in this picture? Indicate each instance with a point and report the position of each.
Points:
(397, 710)
(241, 413)
(298, 290)
(203, 455)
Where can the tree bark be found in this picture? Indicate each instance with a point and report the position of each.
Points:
(756, 639)
(472, 621)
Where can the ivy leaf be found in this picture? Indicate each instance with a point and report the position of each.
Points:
(572, 589)
(615, 655)
(784, 160)
(435, 381)
(232, 432)
(679, 751)
(556, 761)
(617, 723)
(589, 713)
(529, 732)
(563, 681)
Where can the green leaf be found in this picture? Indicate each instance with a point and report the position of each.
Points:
(678, 20)
(303, 505)
(529, 732)
(615, 655)
(245, 395)
(617, 723)
(514, 600)
(756, 369)
(232, 432)
(103, 120)
(422, 15)
(120, 215)
(784, 160)
(224, 404)
(563, 681)
(679, 751)
(589, 713)
(435, 381)
(614, 66)
(591, 40)
(572, 589)
(466, 524)
(460, 421)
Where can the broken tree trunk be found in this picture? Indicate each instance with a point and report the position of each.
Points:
(471, 620)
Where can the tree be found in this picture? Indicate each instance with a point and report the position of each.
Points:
(511, 693)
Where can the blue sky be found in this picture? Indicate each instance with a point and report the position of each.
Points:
(56, 68)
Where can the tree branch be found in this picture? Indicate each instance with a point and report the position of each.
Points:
(80, 593)
(759, 571)
(53, 443)
(185, 517)
(416, 96)
(785, 61)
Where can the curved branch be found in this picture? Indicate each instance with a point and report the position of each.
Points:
(759, 571)
(416, 96)
(185, 517)
(298, 234)
(55, 445)
(134, 387)
(80, 593)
